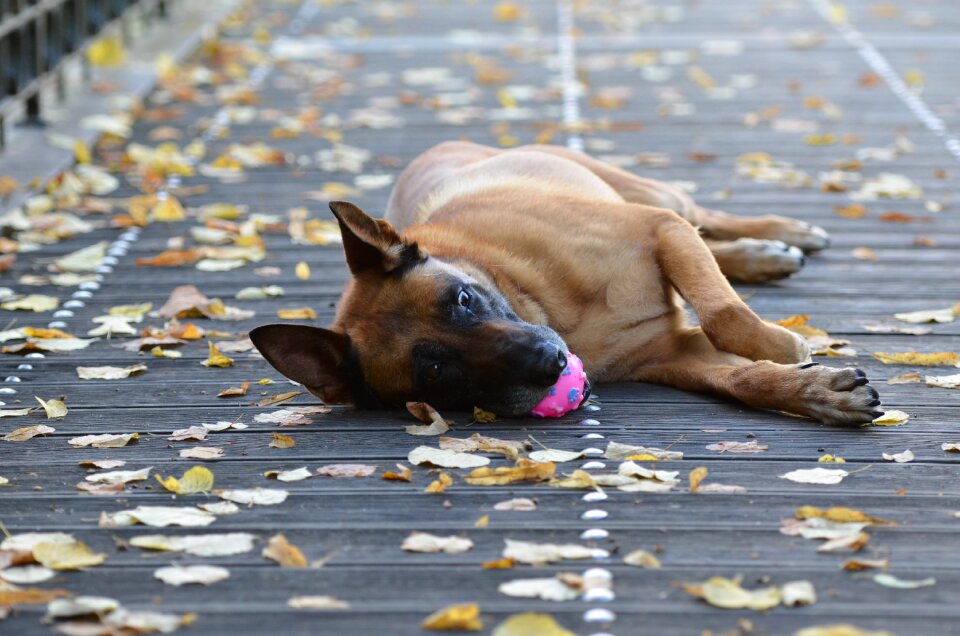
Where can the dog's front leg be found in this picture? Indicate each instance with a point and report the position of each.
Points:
(832, 396)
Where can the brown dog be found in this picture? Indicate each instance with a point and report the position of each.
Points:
(493, 264)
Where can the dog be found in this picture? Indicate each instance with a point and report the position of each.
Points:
(492, 265)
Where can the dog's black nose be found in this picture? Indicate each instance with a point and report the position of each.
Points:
(549, 361)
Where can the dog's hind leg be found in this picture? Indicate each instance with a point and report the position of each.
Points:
(727, 321)
(833, 396)
(748, 260)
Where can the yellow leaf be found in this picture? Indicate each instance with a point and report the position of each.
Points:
(577, 479)
(284, 552)
(130, 311)
(32, 302)
(461, 617)
(107, 51)
(66, 556)
(697, 475)
(642, 559)
(525, 470)
(831, 459)
(484, 417)
(29, 596)
(507, 12)
(838, 630)
(439, 485)
(827, 139)
(81, 151)
(482, 522)
(300, 313)
(302, 270)
(54, 408)
(282, 441)
(942, 358)
(197, 479)
(794, 321)
(499, 564)
(217, 359)
(728, 594)
(38, 332)
(168, 210)
(531, 624)
(890, 418)
(839, 514)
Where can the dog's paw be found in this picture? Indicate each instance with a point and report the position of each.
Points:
(758, 261)
(841, 397)
(800, 234)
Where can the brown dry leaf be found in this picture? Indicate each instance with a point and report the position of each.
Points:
(498, 564)
(282, 441)
(543, 553)
(235, 391)
(852, 542)
(66, 556)
(29, 596)
(28, 432)
(427, 414)
(525, 470)
(55, 409)
(852, 211)
(577, 479)
(914, 358)
(483, 417)
(280, 398)
(191, 433)
(618, 451)
(840, 514)
(863, 254)
(425, 542)
(283, 552)
(728, 594)
(856, 565)
(441, 483)
(405, 474)
(839, 630)
(347, 470)
(753, 446)
(509, 448)
(642, 559)
(299, 313)
(105, 440)
(460, 617)
(531, 624)
(109, 373)
(697, 475)
(906, 378)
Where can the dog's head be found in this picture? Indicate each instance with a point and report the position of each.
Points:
(415, 328)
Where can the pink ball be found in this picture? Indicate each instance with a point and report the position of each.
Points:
(567, 394)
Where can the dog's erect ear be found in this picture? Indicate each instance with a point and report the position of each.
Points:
(316, 358)
(372, 244)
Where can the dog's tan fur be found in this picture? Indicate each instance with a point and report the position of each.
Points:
(602, 257)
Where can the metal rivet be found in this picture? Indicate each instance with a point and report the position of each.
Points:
(593, 466)
(599, 615)
(592, 452)
(599, 553)
(110, 260)
(12, 378)
(593, 408)
(594, 534)
(600, 634)
(7, 391)
(598, 573)
(35, 355)
(24, 367)
(90, 286)
(590, 422)
(2, 403)
(82, 294)
(63, 313)
(57, 324)
(74, 304)
(594, 514)
(594, 496)
(592, 436)
(104, 269)
(599, 595)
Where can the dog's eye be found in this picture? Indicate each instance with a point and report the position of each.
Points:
(463, 298)
(433, 372)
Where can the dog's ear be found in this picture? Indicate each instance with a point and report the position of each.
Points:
(372, 244)
(316, 358)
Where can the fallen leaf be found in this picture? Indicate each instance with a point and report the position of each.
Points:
(831, 459)
(642, 559)
(548, 589)
(618, 451)
(943, 381)
(728, 594)
(947, 314)
(15, 412)
(906, 378)
(838, 630)
(856, 565)
(543, 553)
(217, 359)
(405, 474)
(25, 575)
(81, 606)
(913, 358)
(191, 433)
(105, 440)
(441, 483)
(839, 514)
(483, 417)
(119, 476)
(235, 391)
(425, 542)
(798, 593)
(28, 432)
(300, 313)
(282, 441)
(554, 455)
(900, 458)
(520, 504)
(753, 446)
(255, 496)
(158, 517)
(445, 458)
(889, 580)
(55, 409)
(317, 603)
(204, 545)
(196, 479)
(697, 475)
(283, 552)
(436, 425)
(530, 624)
(347, 470)
(201, 452)
(191, 574)
(851, 542)
(816, 476)
(66, 556)
(525, 470)
(109, 373)
(461, 617)
(302, 271)
(481, 443)
(280, 398)
(33, 302)
(890, 418)
(29, 596)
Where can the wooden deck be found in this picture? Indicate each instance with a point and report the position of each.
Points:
(777, 65)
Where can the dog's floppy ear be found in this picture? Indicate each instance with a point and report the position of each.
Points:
(372, 244)
(316, 358)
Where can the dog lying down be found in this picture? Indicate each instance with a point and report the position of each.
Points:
(492, 265)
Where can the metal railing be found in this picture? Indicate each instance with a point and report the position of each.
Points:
(38, 36)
